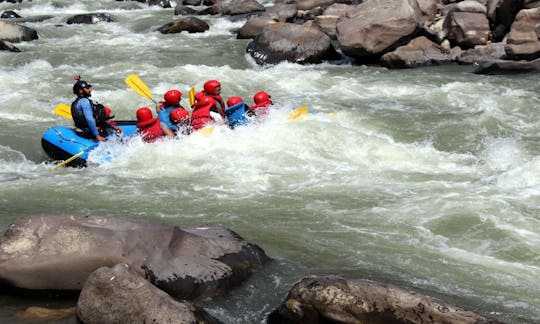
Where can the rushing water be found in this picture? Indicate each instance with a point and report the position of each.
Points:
(428, 179)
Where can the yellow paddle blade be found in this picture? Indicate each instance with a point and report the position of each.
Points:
(59, 165)
(139, 86)
(206, 130)
(63, 110)
(298, 113)
(191, 96)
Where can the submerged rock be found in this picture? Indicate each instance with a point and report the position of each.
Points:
(16, 33)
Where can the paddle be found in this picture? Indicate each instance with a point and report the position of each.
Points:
(59, 165)
(63, 110)
(139, 86)
(191, 96)
(298, 113)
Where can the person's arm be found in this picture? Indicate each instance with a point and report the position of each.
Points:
(166, 130)
(89, 116)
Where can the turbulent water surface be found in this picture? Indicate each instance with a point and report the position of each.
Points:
(428, 179)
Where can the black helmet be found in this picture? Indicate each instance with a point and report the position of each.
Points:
(80, 84)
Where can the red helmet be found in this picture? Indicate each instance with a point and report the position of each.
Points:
(211, 86)
(179, 115)
(234, 100)
(260, 97)
(144, 113)
(172, 97)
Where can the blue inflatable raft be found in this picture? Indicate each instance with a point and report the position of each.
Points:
(63, 142)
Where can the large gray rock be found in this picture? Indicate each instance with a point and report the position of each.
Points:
(291, 42)
(419, 52)
(254, 26)
(60, 252)
(332, 299)
(90, 18)
(16, 33)
(189, 24)
(327, 22)
(494, 51)
(467, 29)
(372, 28)
(282, 12)
(235, 7)
(120, 295)
(524, 38)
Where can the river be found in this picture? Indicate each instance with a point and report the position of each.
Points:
(428, 178)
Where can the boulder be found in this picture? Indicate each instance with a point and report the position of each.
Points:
(312, 4)
(328, 20)
(291, 42)
(8, 46)
(372, 29)
(332, 299)
(523, 41)
(16, 33)
(467, 29)
(181, 10)
(254, 26)
(235, 7)
(119, 295)
(282, 12)
(161, 3)
(9, 14)
(189, 24)
(59, 253)
(419, 52)
(488, 52)
(508, 67)
(503, 12)
(90, 18)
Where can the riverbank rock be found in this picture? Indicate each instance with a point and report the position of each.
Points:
(523, 41)
(419, 52)
(370, 29)
(291, 42)
(60, 252)
(16, 33)
(467, 29)
(332, 299)
(120, 295)
(508, 67)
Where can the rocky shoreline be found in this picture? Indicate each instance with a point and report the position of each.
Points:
(499, 36)
(128, 271)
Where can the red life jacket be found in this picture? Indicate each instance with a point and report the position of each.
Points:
(261, 108)
(200, 116)
(150, 130)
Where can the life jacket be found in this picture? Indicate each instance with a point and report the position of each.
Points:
(236, 115)
(261, 108)
(150, 130)
(98, 111)
(200, 116)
